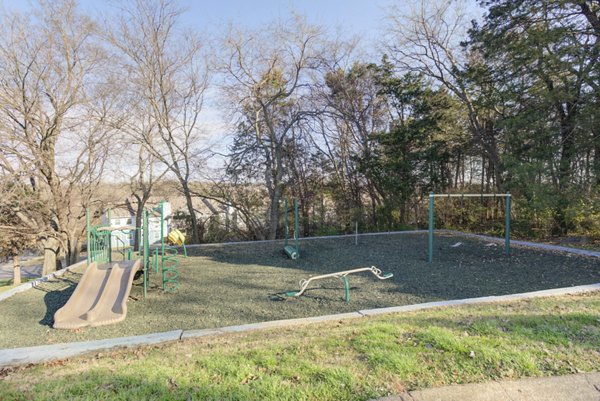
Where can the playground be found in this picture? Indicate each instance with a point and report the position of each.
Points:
(229, 284)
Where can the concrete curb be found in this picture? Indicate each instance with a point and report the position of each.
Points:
(33, 283)
(44, 353)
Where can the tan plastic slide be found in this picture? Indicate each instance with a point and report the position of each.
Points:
(100, 297)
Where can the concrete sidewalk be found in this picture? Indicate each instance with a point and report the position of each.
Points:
(579, 387)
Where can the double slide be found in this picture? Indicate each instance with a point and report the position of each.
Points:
(100, 297)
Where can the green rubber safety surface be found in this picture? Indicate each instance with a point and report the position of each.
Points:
(224, 285)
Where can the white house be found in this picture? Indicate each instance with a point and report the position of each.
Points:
(121, 217)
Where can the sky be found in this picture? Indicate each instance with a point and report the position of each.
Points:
(359, 17)
(362, 19)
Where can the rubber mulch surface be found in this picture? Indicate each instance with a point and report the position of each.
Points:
(222, 285)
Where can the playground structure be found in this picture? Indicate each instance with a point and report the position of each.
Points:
(177, 238)
(101, 295)
(164, 258)
(432, 197)
(342, 276)
(292, 251)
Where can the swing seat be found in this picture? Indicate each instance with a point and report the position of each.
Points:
(291, 252)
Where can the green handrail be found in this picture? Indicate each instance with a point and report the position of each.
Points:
(121, 248)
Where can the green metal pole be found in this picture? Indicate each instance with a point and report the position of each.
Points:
(87, 231)
(430, 247)
(507, 225)
(346, 288)
(146, 251)
(286, 221)
(162, 240)
(109, 256)
(296, 227)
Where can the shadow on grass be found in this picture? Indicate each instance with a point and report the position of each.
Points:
(58, 291)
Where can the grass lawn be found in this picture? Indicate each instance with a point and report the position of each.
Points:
(6, 285)
(225, 285)
(347, 360)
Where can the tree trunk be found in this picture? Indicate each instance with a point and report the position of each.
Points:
(138, 225)
(565, 168)
(16, 270)
(305, 214)
(274, 180)
(139, 216)
(274, 212)
(596, 179)
(72, 255)
(51, 248)
(566, 155)
(192, 212)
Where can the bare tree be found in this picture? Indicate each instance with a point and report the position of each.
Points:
(268, 78)
(15, 235)
(52, 107)
(136, 162)
(166, 80)
(354, 111)
(141, 185)
(244, 198)
(427, 41)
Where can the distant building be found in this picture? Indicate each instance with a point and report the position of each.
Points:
(121, 217)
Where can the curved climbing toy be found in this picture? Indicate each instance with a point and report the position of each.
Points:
(170, 270)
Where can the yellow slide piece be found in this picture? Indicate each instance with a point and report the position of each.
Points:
(176, 237)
